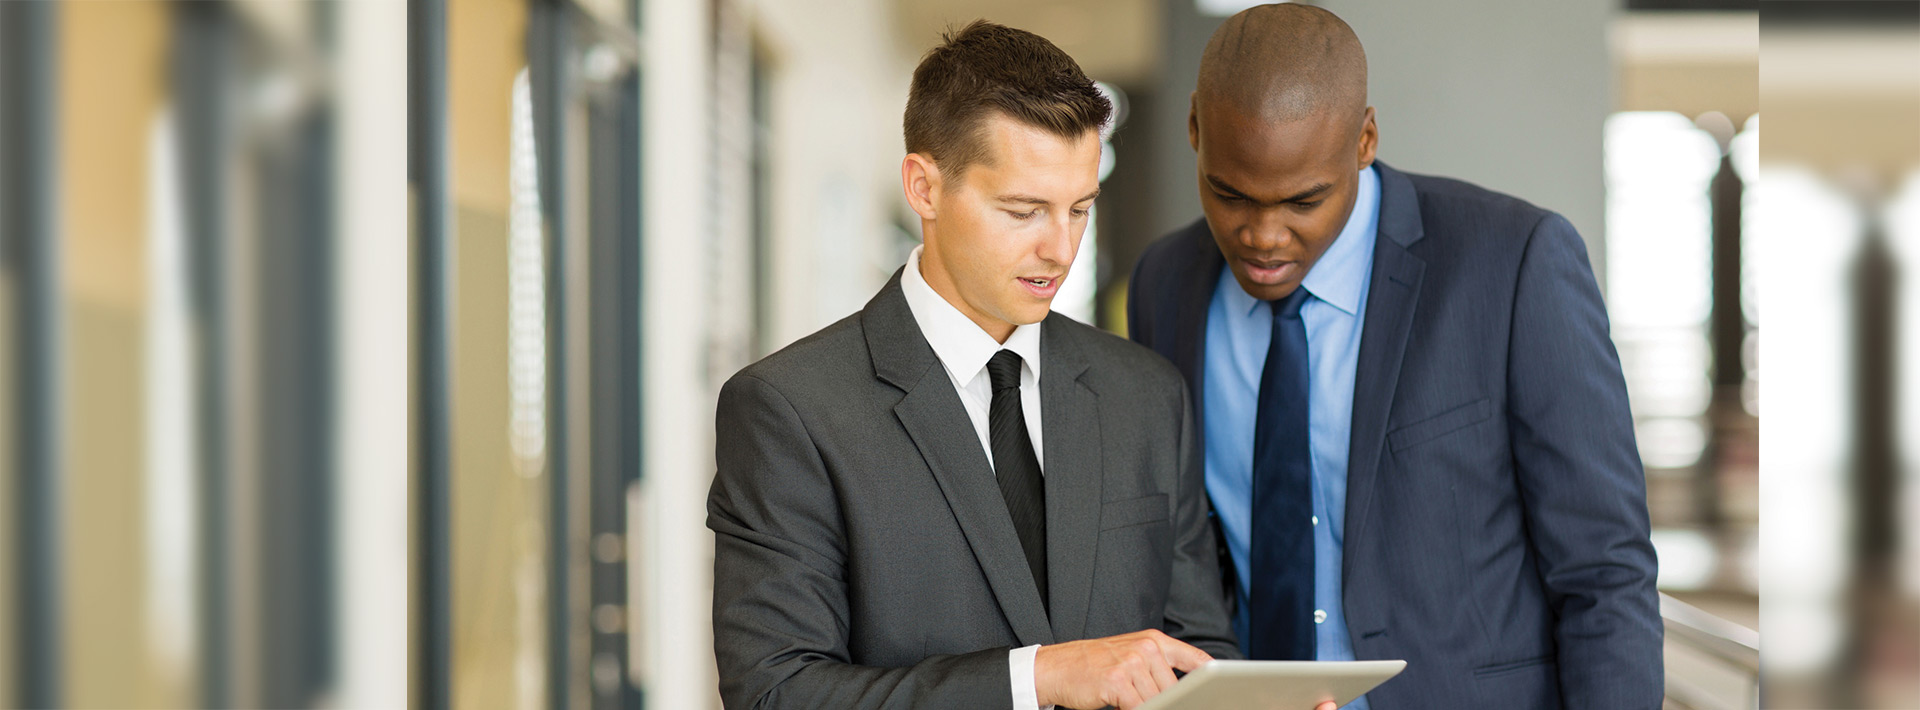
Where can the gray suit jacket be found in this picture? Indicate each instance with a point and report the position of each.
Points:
(864, 557)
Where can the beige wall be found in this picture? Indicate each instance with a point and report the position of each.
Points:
(1687, 62)
(496, 526)
(106, 109)
(1845, 103)
(1116, 41)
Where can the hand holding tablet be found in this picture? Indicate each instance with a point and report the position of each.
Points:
(1274, 685)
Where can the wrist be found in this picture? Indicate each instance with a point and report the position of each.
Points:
(1042, 685)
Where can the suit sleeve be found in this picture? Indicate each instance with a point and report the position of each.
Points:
(1196, 610)
(1581, 479)
(780, 604)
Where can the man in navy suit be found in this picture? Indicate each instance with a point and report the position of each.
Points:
(1416, 433)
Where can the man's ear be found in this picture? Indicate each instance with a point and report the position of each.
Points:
(1369, 140)
(920, 177)
(1193, 121)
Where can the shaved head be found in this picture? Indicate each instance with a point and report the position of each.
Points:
(1281, 130)
(1284, 62)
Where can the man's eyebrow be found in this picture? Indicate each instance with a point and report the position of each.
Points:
(1222, 186)
(1024, 199)
(1301, 196)
(1309, 193)
(1041, 201)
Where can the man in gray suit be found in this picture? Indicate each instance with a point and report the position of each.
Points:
(953, 499)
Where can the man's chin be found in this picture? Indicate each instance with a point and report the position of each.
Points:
(1029, 315)
(1265, 292)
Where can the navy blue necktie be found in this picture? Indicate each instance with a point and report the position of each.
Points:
(1280, 608)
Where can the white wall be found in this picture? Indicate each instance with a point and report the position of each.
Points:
(839, 90)
(1509, 94)
(669, 532)
(373, 272)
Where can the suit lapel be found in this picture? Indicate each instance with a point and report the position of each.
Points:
(1392, 298)
(937, 423)
(1070, 416)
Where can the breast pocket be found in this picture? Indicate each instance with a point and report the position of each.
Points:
(1440, 425)
(1134, 567)
(1133, 511)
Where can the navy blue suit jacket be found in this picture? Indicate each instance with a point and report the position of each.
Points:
(1496, 533)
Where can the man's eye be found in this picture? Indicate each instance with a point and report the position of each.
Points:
(1080, 212)
(1227, 198)
(1309, 205)
(1024, 215)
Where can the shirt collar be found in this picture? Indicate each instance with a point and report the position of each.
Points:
(1340, 275)
(962, 346)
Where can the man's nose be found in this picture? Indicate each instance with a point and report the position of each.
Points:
(1266, 231)
(1058, 245)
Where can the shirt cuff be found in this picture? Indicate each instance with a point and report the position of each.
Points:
(1020, 668)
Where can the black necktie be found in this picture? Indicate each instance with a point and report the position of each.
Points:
(1016, 466)
(1280, 605)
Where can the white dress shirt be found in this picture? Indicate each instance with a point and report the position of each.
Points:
(964, 349)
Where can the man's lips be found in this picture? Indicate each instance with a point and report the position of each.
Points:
(1043, 286)
(1270, 272)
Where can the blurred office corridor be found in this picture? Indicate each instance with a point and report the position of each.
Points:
(202, 272)
(364, 353)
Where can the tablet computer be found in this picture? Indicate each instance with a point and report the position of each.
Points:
(1274, 685)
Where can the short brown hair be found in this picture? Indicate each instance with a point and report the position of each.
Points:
(987, 67)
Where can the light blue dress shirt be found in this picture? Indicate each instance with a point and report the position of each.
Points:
(1239, 329)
